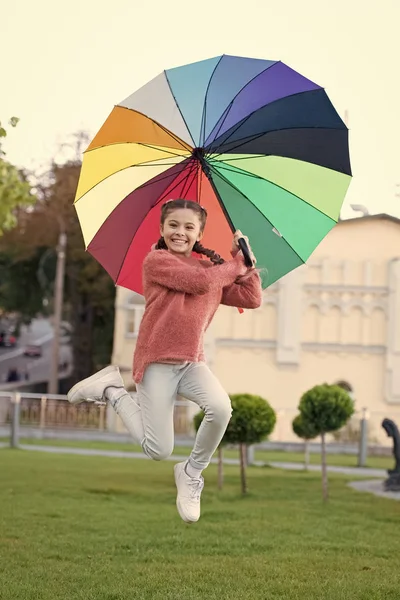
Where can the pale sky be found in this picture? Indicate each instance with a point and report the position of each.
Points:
(65, 65)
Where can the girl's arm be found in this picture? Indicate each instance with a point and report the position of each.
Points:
(246, 293)
(165, 269)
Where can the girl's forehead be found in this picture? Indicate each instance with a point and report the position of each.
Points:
(185, 215)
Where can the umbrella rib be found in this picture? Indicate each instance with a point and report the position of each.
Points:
(179, 108)
(159, 149)
(246, 173)
(172, 151)
(229, 106)
(248, 199)
(200, 182)
(150, 182)
(127, 142)
(192, 173)
(185, 176)
(187, 173)
(255, 136)
(167, 131)
(211, 157)
(178, 183)
(153, 163)
(159, 200)
(203, 115)
(243, 121)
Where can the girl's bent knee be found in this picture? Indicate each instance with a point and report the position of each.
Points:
(223, 412)
(156, 453)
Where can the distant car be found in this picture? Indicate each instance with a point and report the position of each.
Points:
(7, 340)
(33, 350)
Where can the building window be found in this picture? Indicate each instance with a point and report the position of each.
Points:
(134, 314)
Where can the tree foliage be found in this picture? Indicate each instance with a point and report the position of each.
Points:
(303, 429)
(19, 290)
(253, 420)
(306, 431)
(14, 189)
(325, 408)
(29, 251)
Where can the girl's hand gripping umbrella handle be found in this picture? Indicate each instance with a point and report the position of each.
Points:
(246, 253)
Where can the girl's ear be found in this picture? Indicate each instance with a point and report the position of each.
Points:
(200, 236)
(161, 230)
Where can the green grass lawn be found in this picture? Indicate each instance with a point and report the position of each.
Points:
(346, 460)
(94, 528)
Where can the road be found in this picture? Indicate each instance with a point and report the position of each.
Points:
(36, 369)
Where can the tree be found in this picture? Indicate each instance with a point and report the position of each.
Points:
(253, 419)
(14, 188)
(306, 432)
(20, 292)
(89, 290)
(325, 408)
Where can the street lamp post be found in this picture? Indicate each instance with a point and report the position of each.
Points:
(58, 306)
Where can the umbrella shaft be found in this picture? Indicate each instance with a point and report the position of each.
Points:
(242, 242)
(207, 171)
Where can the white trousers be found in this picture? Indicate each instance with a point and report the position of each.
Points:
(150, 420)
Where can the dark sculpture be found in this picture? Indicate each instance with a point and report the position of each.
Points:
(393, 482)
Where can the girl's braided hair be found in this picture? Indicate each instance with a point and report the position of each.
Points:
(202, 214)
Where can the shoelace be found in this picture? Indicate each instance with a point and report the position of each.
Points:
(196, 487)
(98, 402)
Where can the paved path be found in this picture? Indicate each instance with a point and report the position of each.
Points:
(362, 471)
(374, 486)
(357, 471)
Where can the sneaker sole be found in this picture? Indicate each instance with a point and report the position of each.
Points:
(73, 392)
(178, 506)
(182, 515)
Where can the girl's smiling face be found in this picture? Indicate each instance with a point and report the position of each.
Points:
(181, 229)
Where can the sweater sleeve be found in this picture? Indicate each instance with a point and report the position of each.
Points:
(247, 293)
(165, 269)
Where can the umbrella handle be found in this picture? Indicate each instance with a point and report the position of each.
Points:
(246, 252)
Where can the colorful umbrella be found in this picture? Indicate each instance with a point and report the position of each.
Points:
(257, 144)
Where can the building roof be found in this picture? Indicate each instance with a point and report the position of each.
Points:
(377, 217)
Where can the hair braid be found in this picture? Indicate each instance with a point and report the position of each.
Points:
(161, 245)
(215, 258)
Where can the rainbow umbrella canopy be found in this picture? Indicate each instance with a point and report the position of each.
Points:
(257, 144)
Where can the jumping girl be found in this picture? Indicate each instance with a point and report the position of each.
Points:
(182, 294)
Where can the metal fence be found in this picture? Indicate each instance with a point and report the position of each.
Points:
(22, 412)
(19, 410)
(49, 411)
(363, 423)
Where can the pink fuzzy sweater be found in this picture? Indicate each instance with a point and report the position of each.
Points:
(182, 296)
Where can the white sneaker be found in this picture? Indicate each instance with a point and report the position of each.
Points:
(189, 492)
(92, 388)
